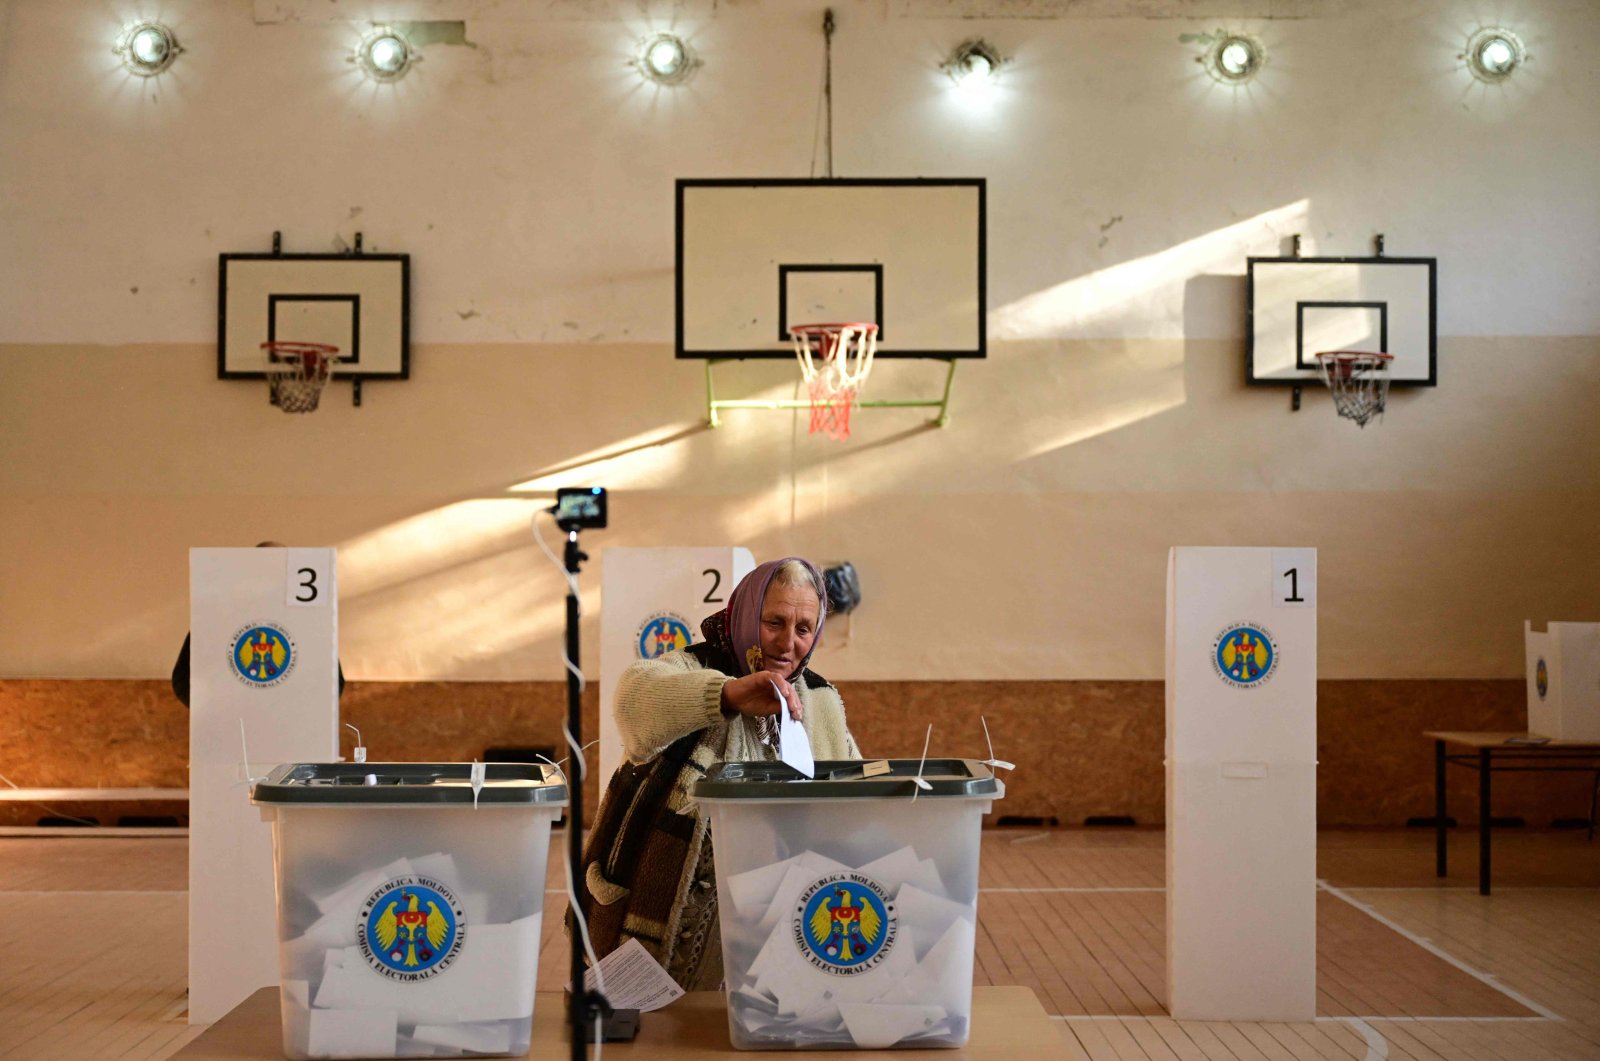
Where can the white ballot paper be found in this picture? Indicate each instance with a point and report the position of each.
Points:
(794, 745)
(634, 980)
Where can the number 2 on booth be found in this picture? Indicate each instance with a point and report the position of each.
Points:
(310, 581)
(1294, 578)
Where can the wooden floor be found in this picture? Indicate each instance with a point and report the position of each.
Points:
(1408, 967)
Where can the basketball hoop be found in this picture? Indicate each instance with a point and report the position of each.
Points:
(297, 372)
(835, 360)
(1359, 381)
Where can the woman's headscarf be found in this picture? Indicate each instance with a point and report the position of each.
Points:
(737, 628)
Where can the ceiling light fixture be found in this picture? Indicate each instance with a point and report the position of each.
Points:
(1493, 54)
(975, 64)
(385, 55)
(666, 60)
(147, 48)
(1233, 58)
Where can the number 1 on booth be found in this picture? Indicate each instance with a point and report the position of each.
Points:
(1294, 578)
(309, 582)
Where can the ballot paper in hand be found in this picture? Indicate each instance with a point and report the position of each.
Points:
(634, 980)
(794, 746)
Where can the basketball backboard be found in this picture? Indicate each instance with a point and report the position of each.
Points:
(358, 303)
(1300, 307)
(755, 257)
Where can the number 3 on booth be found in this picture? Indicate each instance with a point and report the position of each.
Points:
(310, 581)
(1294, 578)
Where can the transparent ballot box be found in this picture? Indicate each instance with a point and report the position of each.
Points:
(848, 904)
(409, 905)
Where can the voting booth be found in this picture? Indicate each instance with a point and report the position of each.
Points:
(263, 673)
(1564, 680)
(1241, 783)
(848, 904)
(410, 903)
(651, 603)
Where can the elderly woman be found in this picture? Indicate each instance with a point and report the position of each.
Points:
(647, 869)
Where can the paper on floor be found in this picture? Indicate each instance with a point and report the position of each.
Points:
(634, 980)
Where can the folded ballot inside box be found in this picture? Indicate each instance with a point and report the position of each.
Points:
(848, 902)
(410, 905)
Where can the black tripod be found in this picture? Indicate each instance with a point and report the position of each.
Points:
(587, 1007)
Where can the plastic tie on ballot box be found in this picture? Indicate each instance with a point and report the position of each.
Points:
(991, 762)
(922, 785)
(244, 766)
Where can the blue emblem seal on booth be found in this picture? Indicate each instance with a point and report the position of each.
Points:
(262, 654)
(1541, 678)
(412, 929)
(1244, 655)
(662, 633)
(845, 924)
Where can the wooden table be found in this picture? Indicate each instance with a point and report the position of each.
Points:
(1007, 1023)
(1490, 753)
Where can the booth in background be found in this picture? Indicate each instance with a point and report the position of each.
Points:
(651, 602)
(1241, 784)
(1564, 680)
(263, 671)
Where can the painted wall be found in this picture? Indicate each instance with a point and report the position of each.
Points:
(530, 174)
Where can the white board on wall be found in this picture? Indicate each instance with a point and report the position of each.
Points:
(1299, 307)
(652, 601)
(263, 656)
(756, 257)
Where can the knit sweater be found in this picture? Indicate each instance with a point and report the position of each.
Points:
(659, 701)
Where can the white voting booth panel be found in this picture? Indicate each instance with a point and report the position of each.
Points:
(263, 651)
(1241, 783)
(652, 602)
(1564, 680)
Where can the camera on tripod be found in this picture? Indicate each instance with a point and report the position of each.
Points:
(580, 508)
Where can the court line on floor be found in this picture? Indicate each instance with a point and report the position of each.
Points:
(1033, 891)
(95, 891)
(1402, 1020)
(1377, 1045)
(1428, 945)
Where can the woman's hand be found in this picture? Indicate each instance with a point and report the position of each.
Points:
(752, 695)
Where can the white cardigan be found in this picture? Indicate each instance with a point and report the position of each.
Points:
(660, 700)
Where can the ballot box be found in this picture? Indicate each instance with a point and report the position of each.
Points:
(410, 897)
(849, 903)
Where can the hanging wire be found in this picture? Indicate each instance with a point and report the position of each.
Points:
(824, 122)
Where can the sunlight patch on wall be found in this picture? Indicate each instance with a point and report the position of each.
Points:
(460, 589)
(1144, 297)
(648, 460)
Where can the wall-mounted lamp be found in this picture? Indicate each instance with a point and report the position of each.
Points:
(1493, 54)
(666, 60)
(147, 48)
(385, 55)
(975, 64)
(1233, 58)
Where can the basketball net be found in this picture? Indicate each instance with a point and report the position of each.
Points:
(1359, 381)
(297, 372)
(835, 360)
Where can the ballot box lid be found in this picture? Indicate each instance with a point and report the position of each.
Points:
(850, 779)
(388, 784)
